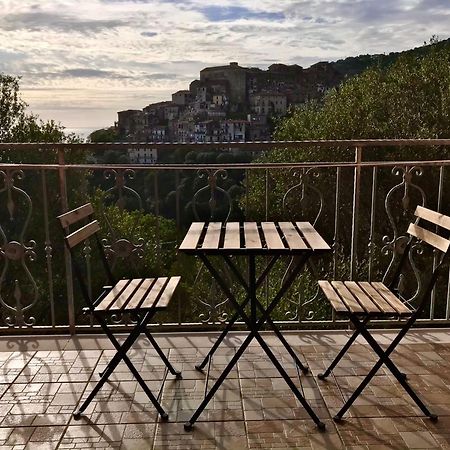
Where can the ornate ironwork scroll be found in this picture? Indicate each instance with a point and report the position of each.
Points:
(305, 200)
(216, 300)
(18, 289)
(120, 188)
(215, 192)
(399, 206)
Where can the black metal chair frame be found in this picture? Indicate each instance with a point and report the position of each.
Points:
(142, 320)
(384, 355)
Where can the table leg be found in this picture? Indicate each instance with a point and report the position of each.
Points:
(254, 327)
(236, 316)
(277, 332)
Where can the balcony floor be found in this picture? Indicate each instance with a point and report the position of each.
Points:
(42, 378)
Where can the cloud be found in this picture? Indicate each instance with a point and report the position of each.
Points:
(41, 21)
(137, 51)
(230, 13)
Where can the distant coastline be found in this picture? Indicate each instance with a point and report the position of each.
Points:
(83, 132)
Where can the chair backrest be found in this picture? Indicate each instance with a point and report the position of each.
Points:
(88, 228)
(431, 238)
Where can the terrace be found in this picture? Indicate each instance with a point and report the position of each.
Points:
(361, 202)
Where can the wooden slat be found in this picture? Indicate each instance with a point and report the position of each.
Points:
(271, 236)
(433, 217)
(377, 298)
(333, 297)
(232, 236)
(293, 239)
(429, 237)
(82, 234)
(75, 215)
(192, 237)
(112, 294)
(212, 236)
(166, 295)
(139, 295)
(364, 300)
(251, 235)
(312, 237)
(121, 301)
(154, 293)
(347, 297)
(397, 304)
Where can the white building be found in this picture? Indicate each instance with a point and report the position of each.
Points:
(143, 155)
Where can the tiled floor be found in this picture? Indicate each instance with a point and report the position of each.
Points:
(41, 380)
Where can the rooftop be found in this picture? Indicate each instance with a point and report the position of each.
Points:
(42, 378)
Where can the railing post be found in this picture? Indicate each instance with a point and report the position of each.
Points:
(355, 212)
(68, 261)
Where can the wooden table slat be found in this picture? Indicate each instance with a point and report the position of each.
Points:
(212, 236)
(232, 236)
(294, 240)
(192, 237)
(271, 236)
(251, 234)
(314, 239)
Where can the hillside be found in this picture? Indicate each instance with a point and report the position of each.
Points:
(354, 65)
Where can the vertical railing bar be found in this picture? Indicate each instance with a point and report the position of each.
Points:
(372, 220)
(156, 193)
(435, 257)
(177, 200)
(266, 281)
(355, 212)
(336, 230)
(48, 249)
(67, 259)
(247, 188)
(267, 194)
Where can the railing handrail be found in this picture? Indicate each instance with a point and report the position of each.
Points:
(231, 166)
(248, 145)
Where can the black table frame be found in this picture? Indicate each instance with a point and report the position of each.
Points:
(253, 323)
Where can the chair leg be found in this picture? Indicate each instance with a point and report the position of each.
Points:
(343, 351)
(119, 356)
(161, 354)
(383, 359)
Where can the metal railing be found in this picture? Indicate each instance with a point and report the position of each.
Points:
(359, 194)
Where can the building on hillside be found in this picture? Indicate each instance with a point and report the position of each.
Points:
(130, 122)
(207, 131)
(269, 103)
(233, 130)
(257, 128)
(143, 155)
(182, 98)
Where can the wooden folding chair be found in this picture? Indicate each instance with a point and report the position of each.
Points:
(362, 301)
(141, 298)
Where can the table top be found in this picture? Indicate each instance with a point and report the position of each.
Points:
(252, 238)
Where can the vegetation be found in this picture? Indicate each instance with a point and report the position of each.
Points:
(408, 98)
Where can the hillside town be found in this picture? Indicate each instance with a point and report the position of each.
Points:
(228, 104)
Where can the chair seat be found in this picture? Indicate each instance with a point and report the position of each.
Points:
(139, 294)
(363, 298)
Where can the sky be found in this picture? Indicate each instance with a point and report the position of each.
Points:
(82, 61)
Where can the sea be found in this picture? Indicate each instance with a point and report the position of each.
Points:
(82, 132)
